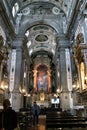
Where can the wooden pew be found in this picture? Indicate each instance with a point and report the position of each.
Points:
(24, 118)
(64, 120)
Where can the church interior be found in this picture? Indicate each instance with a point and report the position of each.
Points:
(43, 54)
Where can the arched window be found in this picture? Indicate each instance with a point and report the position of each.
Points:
(82, 67)
(15, 9)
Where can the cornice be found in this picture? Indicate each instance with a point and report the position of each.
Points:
(19, 41)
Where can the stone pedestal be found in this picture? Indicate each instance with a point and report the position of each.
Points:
(16, 99)
(66, 100)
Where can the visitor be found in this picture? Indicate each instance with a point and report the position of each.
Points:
(8, 117)
(35, 111)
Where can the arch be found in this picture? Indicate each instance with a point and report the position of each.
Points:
(25, 23)
(29, 25)
(52, 3)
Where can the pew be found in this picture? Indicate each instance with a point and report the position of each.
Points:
(64, 120)
(24, 118)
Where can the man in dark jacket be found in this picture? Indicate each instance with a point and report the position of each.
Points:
(8, 117)
(35, 112)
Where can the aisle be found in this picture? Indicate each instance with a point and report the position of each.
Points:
(41, 125)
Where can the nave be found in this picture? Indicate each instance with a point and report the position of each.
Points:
(43, 55)
(42, 125)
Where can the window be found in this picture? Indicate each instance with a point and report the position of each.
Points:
(15, 9)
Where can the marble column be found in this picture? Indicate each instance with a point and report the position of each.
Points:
(15, 73)
(65, 73)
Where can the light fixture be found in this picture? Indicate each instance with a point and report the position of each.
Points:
(85, 77)
(58, 90)
(4, 85)
(28, 95)
(74, 86)
(23, 91)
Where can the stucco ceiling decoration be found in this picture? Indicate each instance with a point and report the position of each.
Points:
(42, 38)
(41, 11)
(55, 10)
(43, 20)
(26, 11)
(39, 35)
(62, 3)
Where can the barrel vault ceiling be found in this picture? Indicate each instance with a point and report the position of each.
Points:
(41, 21)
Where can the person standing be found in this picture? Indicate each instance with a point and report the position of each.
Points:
(8, 117)
(35, 112)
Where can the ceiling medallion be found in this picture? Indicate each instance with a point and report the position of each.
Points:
(55, 10)
(41, 38)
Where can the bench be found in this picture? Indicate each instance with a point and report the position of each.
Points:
(64, 120)
(24, 119)
(66, 125)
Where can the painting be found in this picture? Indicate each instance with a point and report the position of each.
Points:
(42, 79)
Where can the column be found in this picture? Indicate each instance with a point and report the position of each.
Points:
(15, 73)
(65, 73)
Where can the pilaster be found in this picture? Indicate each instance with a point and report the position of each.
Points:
(65, 73)
(15, 73)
